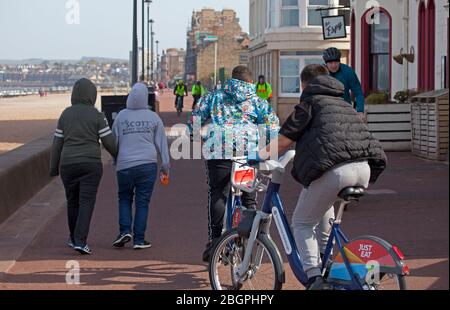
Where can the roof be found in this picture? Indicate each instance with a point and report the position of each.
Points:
(435, 93)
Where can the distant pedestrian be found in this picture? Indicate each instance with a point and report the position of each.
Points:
(218, 85)
(141, 137)
(263, 89)
(76, 155)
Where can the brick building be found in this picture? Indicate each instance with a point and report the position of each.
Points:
(232, 44)
(172, 64)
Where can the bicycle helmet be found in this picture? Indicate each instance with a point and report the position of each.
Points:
(331, 54)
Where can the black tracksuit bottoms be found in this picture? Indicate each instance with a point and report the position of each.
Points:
(218, 173)
(81, 182)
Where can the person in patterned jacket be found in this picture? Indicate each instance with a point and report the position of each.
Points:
(235, 116)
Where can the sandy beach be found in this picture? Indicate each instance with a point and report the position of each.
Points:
(25, 119)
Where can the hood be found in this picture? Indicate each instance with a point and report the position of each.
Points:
(84, 92)
(138, 97)
(238, 90)
(324, 85)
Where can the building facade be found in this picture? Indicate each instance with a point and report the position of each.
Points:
(208, 28)
(172, 64)
(400, 45)
(147, 60)
(287, 35)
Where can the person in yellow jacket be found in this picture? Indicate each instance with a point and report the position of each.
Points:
(179, 91)
(263, 89)
(198, 91)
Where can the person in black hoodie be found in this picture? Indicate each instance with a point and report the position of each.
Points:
(334, 150)
(76, 155)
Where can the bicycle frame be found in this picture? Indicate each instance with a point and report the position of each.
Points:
(273, 206)
(233, 202)
(354, 258)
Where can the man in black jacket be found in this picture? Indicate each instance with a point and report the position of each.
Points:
(334, 150)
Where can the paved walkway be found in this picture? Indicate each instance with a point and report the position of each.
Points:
(408, 207)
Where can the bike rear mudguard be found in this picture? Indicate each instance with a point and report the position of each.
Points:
(366, 253)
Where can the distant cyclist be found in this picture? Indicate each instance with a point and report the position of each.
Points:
(347, 76)
(180, 91)
(197, 92)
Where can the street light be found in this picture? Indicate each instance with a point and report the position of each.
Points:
(215, 40)
(148, 40)
(151, 21)
(134, 61)
(157, 60)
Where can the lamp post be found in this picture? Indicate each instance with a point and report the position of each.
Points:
(215, 40)
(134, 60)
(143, 41)
(148, 38)
(157, 60)
(152, 52)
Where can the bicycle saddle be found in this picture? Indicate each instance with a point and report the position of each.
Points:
(352, 193)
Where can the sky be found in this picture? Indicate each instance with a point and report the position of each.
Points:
(103, 28)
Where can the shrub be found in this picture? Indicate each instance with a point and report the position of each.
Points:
(377, 98)
(404, 95)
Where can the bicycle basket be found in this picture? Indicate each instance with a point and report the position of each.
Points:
(243, 177)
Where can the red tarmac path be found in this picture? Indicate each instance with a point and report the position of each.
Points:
(408, 207)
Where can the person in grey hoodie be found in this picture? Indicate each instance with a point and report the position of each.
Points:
(140, 137)
(76, 154)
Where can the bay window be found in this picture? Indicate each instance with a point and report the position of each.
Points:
(291, 65)
(290, 14)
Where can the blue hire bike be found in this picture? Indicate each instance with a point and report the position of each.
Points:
(247, 258)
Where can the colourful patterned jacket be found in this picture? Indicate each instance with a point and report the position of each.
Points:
(237, 119)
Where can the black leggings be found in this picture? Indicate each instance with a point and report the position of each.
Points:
(219, 183)
(196, 99)
(81, 183)
(176, 101)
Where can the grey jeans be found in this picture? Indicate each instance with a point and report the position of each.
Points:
(311, 218)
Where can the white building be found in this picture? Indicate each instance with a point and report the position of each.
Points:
(384, 30)
(287, 35)
(147, 62)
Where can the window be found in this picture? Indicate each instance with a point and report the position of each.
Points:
(345, 12)
(252, 20)
(291, 65)
(289, 13)
(379, 55)
(315, 17)
(272, 13)
(431, 18)
(353, 40)
(422, 47)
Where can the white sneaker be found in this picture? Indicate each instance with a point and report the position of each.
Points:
(142, 245)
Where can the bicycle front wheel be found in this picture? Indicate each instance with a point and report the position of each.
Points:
(265, 271)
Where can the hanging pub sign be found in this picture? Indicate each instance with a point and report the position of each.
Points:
(334, 27)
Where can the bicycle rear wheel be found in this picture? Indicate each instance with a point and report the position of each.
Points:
(391, 282)
(264, 274)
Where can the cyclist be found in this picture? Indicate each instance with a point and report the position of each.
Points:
(347, 76)
(334, 150)
(180, 91)
(234, 111)
(197, 92)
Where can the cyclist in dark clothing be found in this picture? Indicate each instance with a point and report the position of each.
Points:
(347, 76)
